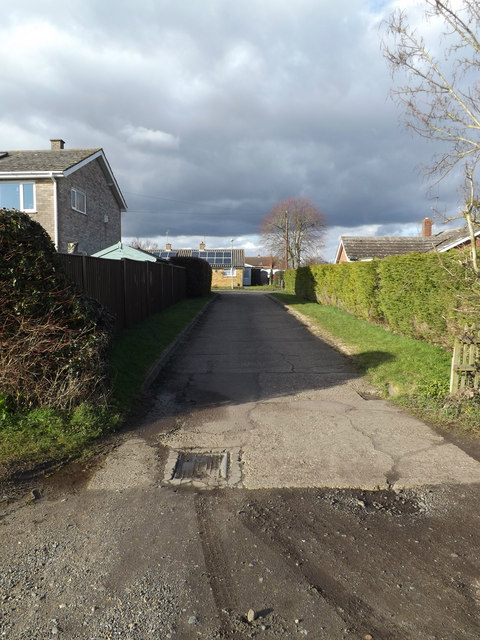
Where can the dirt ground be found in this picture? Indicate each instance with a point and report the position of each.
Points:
(127, 545)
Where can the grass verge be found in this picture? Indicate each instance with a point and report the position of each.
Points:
(32, 439)
(415, 374)
(136, 349)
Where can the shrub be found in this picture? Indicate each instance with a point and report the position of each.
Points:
(54, 339)
(199, 275)
(424, 296)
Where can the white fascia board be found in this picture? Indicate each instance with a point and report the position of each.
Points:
(82, 163)
(339, 251)
(29, 175)
(99, 155)
(457, 242)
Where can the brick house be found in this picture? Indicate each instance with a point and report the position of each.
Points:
(227, 264)
(363, 248)
(72, 193)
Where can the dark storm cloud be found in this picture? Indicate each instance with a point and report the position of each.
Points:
(210, 112)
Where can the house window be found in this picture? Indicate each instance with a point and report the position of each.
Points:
(229, 273)
(79, 201)
(17, 195)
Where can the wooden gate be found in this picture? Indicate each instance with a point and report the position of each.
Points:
(465, 372)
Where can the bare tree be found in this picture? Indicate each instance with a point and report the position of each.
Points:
(144, 245)
(441, 97)
(294, 230)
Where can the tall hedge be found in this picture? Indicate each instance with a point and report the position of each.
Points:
(198, 275)
(53, 339)
(425, 296)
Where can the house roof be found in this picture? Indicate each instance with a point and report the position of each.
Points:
(369, 247)
(43, 160)
(264, 262)
(59, 163)
(121, 250)
(451, 238)
(217, 258)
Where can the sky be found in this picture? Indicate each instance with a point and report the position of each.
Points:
(212, 111)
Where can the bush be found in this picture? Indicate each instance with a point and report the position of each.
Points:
(199, 275)
(424, 296)
(54, 340)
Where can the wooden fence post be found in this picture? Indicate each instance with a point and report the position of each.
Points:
(465, 371)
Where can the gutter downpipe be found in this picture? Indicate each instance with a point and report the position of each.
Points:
(55, 210)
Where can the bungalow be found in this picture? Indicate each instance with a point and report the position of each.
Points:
(362, 248)
(227, 264)
(72, 193)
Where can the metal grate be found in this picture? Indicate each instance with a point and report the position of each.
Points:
(204, 469)
(199, 466)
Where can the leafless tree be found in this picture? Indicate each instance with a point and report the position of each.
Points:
(293, 230)
(441, 97)
(144, 245)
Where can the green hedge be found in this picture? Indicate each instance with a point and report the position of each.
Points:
(424, 296)
(199, 275)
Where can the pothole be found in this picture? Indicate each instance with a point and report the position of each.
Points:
(394, 503)
(204, 468)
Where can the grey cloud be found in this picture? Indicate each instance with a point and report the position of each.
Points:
(211, 112)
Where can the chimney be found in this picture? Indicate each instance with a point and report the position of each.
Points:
(426, 227)
(202, 246)
(168, 247)
(57, 145)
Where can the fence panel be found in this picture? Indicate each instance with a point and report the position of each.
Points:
(465, 372)
(131, 290)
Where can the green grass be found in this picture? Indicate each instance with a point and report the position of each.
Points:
(45, 436)
(416, 374)
(136, 349)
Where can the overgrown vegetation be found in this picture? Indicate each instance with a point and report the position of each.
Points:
(62, 384)
(54, 340)
(423, 296)
(36, 436)
(414, 373)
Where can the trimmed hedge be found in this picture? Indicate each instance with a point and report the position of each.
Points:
(424, 296)
(199, 275)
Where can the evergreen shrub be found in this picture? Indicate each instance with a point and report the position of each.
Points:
(199, 275)
(424, 296)
(53, 339)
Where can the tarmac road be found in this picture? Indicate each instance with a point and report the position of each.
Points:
(264, 494)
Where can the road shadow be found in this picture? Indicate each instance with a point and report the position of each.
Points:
(247, 348)
(368, 360)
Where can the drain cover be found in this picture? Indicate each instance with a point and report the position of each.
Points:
(205, 469)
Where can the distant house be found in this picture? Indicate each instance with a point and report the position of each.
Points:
(227, 264)
(120, 250)
(72, 193)
(363, 248)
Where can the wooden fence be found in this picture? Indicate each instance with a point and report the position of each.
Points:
(465, 372)
(131, 290)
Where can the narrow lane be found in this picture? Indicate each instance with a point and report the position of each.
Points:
(320, 513)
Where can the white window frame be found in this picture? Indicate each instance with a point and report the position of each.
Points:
(74, 197)
(20, 194)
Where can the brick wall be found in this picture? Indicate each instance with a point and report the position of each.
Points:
(219, 280)
(91, 231)
(44, 190)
